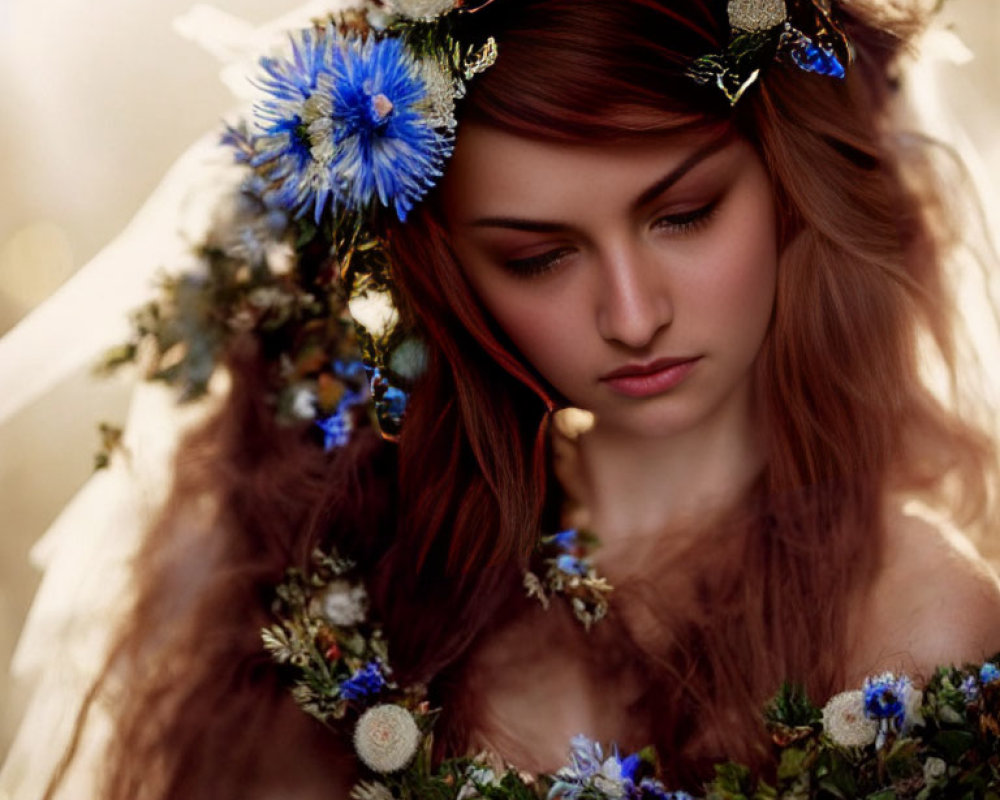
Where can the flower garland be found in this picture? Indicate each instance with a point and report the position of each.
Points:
(568, 570)
(886, 740)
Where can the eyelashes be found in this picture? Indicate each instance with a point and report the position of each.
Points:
(672, 224)
(536, 265)
(688, 220)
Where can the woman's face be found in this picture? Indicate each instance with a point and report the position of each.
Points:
(637, 278)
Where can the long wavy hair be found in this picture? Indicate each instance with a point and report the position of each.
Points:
(445, 521)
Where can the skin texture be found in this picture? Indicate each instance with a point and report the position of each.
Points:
(935, 600)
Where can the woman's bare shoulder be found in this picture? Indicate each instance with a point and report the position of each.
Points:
(935, 600)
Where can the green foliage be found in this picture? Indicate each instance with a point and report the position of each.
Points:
(791, 708)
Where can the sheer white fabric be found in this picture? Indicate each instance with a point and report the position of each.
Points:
(85, 554)
(85, 557)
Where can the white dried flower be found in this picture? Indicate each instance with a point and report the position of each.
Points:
(477, 776)
(280, 257)
(374, 311)
(913, 701)
(378, 18)
(845, 721)
(757, 15)
(344, 603)
(269, 297)
(386, 738)
(277, 644)
(934, 768)
(442, 92)
(422, 9)
(371, 790)
(303, 405)
(609, 780)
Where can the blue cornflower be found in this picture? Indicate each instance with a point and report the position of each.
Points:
(650, 789)
(628, 767)
(566, 540)
(989, 673)
(394, 400)
(370, 127)
(350, 370)
(885, 697)
(282, 147)
(586, 762)
(240, 140)
(586, 756)
(364, 683)
(390, 401)
(813, 57)
(338, 426)
(571, 565)
(969, 688)
(613, 776)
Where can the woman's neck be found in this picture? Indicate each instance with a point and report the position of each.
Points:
(629, 487)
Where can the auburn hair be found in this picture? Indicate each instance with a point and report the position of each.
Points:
(444, 522)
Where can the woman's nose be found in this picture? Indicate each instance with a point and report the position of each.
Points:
(633, 301)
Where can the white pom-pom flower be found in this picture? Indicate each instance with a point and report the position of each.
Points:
(422, 9)
(845, 721)
(386, 738)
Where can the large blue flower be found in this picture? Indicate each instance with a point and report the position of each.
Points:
(374, 128)
(283, 149)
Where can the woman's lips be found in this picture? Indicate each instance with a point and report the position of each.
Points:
(644, 380)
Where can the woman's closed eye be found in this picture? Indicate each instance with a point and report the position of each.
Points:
(676, 223)
(687, 221)
(538, 264)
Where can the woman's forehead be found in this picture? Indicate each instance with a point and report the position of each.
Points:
(493, 170)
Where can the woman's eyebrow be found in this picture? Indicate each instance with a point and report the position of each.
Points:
(647, 195)
(682, 169)
(513, 223)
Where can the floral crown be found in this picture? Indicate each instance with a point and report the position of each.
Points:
(804, 32)
(353, 127)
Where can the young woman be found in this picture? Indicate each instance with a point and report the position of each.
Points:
(736, 278)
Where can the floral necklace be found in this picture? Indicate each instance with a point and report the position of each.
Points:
(886, 740)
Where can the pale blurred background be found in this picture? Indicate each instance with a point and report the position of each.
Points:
(98, 97)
